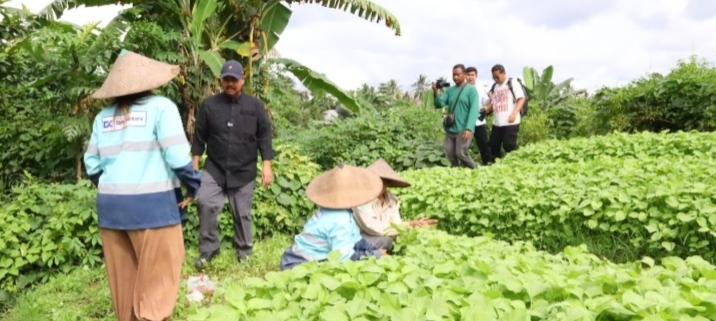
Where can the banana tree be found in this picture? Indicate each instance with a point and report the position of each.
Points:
(266, 27)
(245, 30)
(542, 90)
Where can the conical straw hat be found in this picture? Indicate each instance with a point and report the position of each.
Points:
(133, 73)
(344, 187)
(391, 178)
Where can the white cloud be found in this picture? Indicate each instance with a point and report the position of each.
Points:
(605, 43)
(701, 9)
(80, 16)
(597, 43)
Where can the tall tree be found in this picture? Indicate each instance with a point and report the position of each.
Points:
(390, 89)
(420, 86)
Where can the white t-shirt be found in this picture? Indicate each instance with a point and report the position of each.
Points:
(482, 88)
(503, 104)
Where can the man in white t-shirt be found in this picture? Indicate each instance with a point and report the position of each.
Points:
(506, 105)
(481, 137)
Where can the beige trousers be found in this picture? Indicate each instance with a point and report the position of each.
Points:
(144, 269)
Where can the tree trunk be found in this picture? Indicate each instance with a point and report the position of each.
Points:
(78, 162)
(185, 93)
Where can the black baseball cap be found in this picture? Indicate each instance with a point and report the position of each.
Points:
(232, 68)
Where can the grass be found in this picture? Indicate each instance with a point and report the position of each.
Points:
(84, 293)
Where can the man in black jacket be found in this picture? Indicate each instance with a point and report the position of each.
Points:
(232, 127)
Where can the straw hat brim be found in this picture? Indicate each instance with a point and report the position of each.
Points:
(344, 187)
(133, 73)
(389, 176)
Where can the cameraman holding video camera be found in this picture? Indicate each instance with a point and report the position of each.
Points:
(462, 101)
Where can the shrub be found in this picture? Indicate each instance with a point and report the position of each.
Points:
(47, 228)
(407, 137)
(444, 277)
(53, 227)
(533, 128)
(623, 208)
(571, 118)
(681, 100)
(36, 146)
(644, 144)
(392, 134)
(280, 209)
(575, 118)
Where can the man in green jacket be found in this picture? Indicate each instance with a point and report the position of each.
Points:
(462, 103)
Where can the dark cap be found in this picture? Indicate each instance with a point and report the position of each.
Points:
(232, 68)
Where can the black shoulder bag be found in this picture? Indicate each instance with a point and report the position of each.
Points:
(449, 118)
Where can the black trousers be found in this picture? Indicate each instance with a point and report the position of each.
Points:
(483, 145)
(503, 137)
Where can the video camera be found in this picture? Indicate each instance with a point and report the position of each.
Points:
(441, 83)
(482, 115)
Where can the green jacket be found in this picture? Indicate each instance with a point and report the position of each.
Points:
(466, 110)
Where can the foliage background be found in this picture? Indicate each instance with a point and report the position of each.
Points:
(47, 215)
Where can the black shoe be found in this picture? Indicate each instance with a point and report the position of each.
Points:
(241, 257)
(204, 258)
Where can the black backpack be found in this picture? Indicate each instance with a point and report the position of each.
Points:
(525, 106)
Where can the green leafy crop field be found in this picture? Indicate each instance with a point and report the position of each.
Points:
(623, 145)
(617, 227)
(443, 277)
(615, 194)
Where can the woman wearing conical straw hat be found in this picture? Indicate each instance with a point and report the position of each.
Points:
(376, 218)
(137, 157)
(332, 226)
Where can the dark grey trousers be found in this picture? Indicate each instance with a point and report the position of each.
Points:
(381, 242)
(457, 150)
(210, 200)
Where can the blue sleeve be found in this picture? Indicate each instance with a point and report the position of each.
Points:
(340, 239)
(190, 177)
(175, 147)
(92, 160)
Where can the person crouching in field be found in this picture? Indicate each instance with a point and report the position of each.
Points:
(332, 226)
(376, 217)
(136, 152)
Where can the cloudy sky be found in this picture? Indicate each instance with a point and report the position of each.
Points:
(598, 43)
